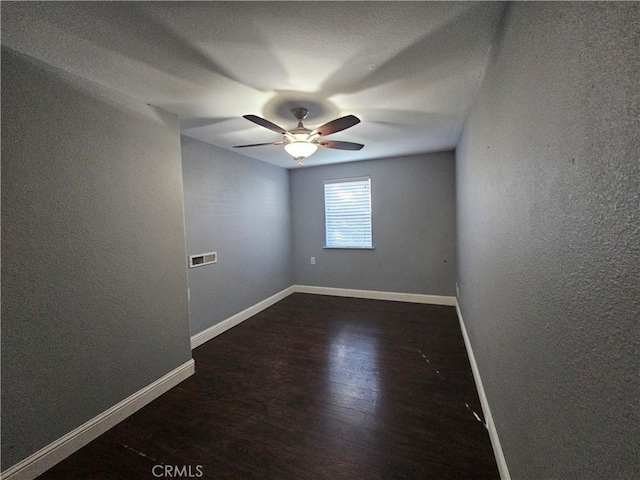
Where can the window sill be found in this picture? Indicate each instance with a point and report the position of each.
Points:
(349, 248)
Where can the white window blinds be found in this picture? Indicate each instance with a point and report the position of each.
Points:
(347, 211)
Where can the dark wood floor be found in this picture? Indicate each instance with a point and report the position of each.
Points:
(314, 387)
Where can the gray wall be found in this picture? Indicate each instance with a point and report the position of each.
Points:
(239, 208)
(413, 220)
(548, 188)
(94, 303)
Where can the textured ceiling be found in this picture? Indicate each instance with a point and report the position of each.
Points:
(408, 70)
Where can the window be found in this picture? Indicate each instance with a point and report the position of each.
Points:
(347, 213)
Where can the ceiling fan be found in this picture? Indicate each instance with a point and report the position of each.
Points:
(301, 142)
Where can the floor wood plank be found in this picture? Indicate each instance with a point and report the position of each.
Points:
(314, 387)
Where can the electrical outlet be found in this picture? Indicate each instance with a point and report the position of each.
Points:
(313, 260)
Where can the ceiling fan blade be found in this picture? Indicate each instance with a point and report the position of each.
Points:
(336, 125)
(340, 145)
(265, 123)
(258, 144)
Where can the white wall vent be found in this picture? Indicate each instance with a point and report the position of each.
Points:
(202, 259)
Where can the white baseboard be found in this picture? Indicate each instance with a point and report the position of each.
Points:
(211, 332)
(491, 427)
(221, 327)
(47, 457)
(375, 295)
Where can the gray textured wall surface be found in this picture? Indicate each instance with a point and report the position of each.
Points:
(548, 182)
(413, 220)
(94, 286)
(239, 208)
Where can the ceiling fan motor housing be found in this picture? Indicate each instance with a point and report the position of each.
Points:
(300, 133)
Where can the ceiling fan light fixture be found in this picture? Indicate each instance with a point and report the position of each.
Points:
(301, 149)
